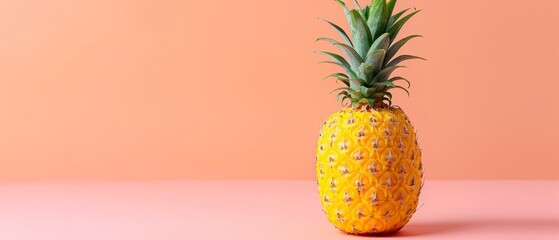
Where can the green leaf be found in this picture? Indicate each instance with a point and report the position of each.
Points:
(396, 46)
(376, 60)
(340, 59)
(342, 88)
(399, 87)
(384, 74)
(336, 75)
(377, 18)
(360, 10)
(382, 42)
(356, 95)
(394, 79)
(363, 90)
(390, 9)
(346, 10)
(395, 29)
(366, 72)
(354, 59)
(340, 95)
(395, 18)
(372, 91)
(360, 33)
(388, 83)
(325, 39)
(389, 95)
(380, 87)
(340, 31)
(366, 10)
(402, 58)
(356, 83)
(339, 77)
(357, 5)
(344, 98)
(331, 62)
(343, 80)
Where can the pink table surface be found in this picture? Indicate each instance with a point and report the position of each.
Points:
(263, 210)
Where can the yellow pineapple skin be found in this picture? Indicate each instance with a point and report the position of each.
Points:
(369, 169)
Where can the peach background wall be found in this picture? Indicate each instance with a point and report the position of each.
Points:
(229, 89)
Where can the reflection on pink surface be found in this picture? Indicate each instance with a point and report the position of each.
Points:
(263, 210)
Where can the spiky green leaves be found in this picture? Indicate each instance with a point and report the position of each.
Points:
(339, 77)
(376, 60)
(339, 59)
(395, 29)
(350, 53)
(402, 58)
(385, 73)
(382, 42)
(390, 8)
(341, 32)
(396, 46)
(366, 71)
(370, 54)
(377, 18)
(360, 33)
(346, 9)
(395, 17)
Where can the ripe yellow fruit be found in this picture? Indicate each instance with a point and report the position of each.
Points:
(369, 169)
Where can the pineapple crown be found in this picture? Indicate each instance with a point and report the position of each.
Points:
(370, 53)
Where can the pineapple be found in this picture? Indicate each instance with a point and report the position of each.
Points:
(369, 166)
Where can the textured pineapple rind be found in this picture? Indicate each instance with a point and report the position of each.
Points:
(369, 170)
